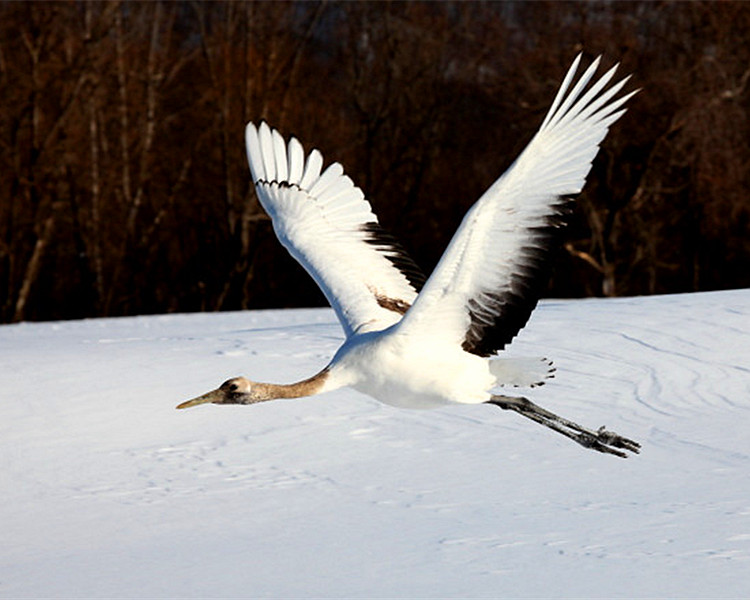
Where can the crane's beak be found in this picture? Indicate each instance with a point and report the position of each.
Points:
(214, 396)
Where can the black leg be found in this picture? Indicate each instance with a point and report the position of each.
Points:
(600, 440)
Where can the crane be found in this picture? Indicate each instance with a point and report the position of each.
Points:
(423, 343)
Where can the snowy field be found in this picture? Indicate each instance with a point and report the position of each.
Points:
(108, 491)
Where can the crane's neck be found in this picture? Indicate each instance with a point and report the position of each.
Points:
(307, 387)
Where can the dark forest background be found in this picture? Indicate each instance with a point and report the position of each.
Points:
(124, 187)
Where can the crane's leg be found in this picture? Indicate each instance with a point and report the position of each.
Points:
(600, 440)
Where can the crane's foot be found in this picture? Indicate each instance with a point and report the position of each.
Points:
(600, 440)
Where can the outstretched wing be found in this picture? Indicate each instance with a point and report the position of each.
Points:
(325, 222)
(490, 277)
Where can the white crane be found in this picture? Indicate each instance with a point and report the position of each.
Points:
(417, 344)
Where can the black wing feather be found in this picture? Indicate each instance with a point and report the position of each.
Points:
(497, 317)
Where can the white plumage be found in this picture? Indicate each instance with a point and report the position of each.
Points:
(418, 344)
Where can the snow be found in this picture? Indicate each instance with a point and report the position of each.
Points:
(108, 491)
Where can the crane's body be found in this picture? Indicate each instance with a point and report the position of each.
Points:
(416, 343)
(410, 373)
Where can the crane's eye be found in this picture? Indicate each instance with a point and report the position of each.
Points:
(233, 387)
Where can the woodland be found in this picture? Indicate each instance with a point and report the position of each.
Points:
(124, 187)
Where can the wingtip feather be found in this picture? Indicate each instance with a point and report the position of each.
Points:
(296, 158)
(254, 157)
(573, 95)
(267, 151)
(562, 89)
(312, 169)
(280, 156)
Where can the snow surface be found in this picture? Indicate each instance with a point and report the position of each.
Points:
(108, 491)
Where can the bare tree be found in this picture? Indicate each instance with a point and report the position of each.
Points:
(123, 183)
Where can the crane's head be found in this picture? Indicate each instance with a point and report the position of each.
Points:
(237, 390)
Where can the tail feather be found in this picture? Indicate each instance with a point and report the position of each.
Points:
(521, 372)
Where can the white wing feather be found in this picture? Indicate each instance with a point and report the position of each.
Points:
(491, 275)
(328, 226)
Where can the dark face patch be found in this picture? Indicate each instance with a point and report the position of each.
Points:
(234, 393)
